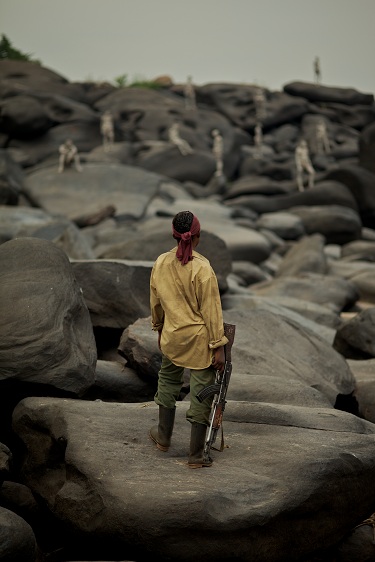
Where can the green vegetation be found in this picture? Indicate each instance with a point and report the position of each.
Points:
(121, 81)
(138, 82)
(7, 51)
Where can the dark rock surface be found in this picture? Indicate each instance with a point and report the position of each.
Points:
(80, 479)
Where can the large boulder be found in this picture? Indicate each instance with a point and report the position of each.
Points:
(367, 148)
(17, 539)
(361, 183)
(319, 93)
(328, 290)
(282, 466)
(323, 193)
(11, 179)
(355, 338)
(127, 188)
(23, 77)
(44, 318)
(116, 292)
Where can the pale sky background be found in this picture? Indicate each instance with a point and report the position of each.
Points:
(264, 42)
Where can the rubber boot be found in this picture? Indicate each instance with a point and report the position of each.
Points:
(161, 434)
(197, 442)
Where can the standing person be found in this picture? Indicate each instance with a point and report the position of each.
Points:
(218, 150)
(303, 164)
(107, 129)
(186, 312)
(189, 93)
(317, 71)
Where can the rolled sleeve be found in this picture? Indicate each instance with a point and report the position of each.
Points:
(210, 307)
(157, 312)
(218, 343)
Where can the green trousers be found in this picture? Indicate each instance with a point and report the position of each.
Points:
(170, 384)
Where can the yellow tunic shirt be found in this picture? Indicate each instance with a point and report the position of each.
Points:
(186, 306)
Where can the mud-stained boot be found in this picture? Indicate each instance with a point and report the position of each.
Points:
(197, 442)
(161, 434)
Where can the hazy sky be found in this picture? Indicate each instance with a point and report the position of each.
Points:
(265, 42)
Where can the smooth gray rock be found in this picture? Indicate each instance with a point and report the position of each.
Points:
(360, 274)
(260, 476)
(115, 381)
(243, 302)
(355, 338)
(331, 291)
(323, 193)
(116, 292)
(5, 462)
(11, 179)
(360, 182)
(367, 148)
(17, 539)
(364, 372)
(306, 255)
(363, 250)
(285, 225)
(256, 184)
(355, 116)
(315, 312)
(249, 272)
(44, 318)
(338, 224)
(128, 189)
(320, 93)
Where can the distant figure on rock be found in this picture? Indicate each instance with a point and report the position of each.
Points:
(68, 154)
(174, 137)
(260, 105)
(107, 129)
(323, 145)
(217, 150)
(317, 72)
(303, 164)
(189, 93)
(258, 139)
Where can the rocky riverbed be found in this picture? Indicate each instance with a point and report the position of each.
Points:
(80, 478)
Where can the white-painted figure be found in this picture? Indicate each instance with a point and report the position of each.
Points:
(323, 145)
(303, 164)
(218, 151)
(68, 154)
(317, 71)
(189, 93)
(107, 129)
(260, 105)
(174, 137)
(258, 139)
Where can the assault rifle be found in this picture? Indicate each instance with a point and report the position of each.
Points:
(219, 389)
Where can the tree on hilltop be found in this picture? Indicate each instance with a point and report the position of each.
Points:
(7, 51)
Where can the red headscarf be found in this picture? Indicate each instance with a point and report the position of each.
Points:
(185, 249)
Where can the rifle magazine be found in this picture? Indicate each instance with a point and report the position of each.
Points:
(208, 391)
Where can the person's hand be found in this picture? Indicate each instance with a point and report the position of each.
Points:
(159, 338)
(218, 359)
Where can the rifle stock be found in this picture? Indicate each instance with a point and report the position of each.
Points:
(219, 390)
